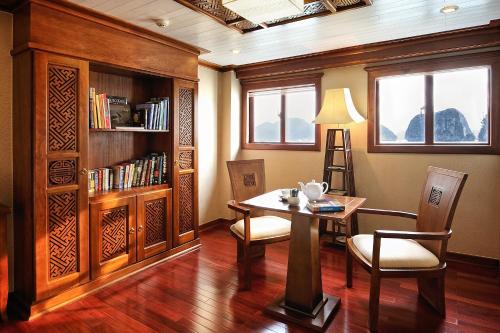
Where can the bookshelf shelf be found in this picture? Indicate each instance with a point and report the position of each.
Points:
(101, 196)
(132, 130)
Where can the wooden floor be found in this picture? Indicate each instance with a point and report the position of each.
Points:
(199, 293)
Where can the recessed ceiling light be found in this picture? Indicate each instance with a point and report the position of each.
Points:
(162, 23)
(236, 51)
(447, 9)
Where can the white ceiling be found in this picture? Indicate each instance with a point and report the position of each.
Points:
(384, 20)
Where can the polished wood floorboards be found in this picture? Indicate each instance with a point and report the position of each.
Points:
(199, 293)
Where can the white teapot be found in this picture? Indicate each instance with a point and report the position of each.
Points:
(313, 190)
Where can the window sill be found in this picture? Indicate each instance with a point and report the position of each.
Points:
(282, 146)
(435, 149)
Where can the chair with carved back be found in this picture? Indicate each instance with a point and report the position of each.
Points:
(254, 230)
(419, 254)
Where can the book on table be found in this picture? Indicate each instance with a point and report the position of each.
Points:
(325, 205)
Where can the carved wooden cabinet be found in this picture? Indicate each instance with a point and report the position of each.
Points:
(112, 235)
(154, 215)
(69, 241)
(129, 229)
(185, 173)
(60, 154)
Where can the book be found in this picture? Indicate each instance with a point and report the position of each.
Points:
(321, 206)
(150, 170)
(164, 172)
(117, 100)
(91, 108)
(120, 115)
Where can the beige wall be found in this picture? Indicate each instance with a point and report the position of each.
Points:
(208, 149)
(394, 181)
(6, 115)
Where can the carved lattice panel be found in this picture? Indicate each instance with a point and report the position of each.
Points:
(62, 108)
(114, 224)
(230, 19)
(186, 160)
(186, 117)
(62, 234)
(186, 203)
(155, 222)
(62, 172)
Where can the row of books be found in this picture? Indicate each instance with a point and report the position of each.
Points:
(151, 170)
(100, 108)
(106, 112)
(154, 114)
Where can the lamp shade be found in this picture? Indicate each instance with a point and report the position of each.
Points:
(338, 108)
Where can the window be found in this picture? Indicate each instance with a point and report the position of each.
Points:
(278, 113)
(441, 105)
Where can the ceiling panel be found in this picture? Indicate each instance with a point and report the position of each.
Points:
(384, 20)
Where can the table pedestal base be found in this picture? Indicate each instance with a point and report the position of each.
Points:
(317, 320)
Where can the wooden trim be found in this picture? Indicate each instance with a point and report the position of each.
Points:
(491, 59)
(278, 82)
(210, 65)
(115, 23)
(216, 223)
(41, 25)
(474, 38)
(469, 259)
(213, 17)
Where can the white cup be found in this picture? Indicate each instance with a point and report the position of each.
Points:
(285, 192)
(293, 201)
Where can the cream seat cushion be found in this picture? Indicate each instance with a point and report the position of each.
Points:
(263, 227)
(396, 252)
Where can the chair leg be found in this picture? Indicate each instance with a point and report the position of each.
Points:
(433, 291)
(348, 267)
(374, 302)
(247, 268)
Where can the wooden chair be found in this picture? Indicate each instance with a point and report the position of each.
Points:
(420, 254)
(254, 230)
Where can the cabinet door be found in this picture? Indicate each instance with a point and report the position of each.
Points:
(185, 173)
(60, 181)
(112, 235)
(154, 215)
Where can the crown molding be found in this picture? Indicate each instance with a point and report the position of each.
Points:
(485, 36)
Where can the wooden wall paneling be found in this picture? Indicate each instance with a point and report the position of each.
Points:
(106, 40)
(459, 40)
(154, 223)
(60, 178)
(113, 235)
(109, 148)
(23, 177)
(185, 173)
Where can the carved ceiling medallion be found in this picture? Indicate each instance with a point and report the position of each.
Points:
(312, 8)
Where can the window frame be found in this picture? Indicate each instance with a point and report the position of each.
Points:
(278, 82)
(429, 66)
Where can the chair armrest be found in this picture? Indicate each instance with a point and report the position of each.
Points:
(240, 209)
(386, 212)
(442, 235)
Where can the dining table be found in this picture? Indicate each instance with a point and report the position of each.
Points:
(304, 301)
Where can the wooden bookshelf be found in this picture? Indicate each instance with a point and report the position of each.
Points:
(136, 130)
(103, 236)
(113, 194)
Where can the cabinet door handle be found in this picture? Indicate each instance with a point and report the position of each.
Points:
(176, 162)
(84, 171)
(131, 231)
(139, 229)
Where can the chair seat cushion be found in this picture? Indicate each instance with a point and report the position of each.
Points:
(263, 227)
(396, 252)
